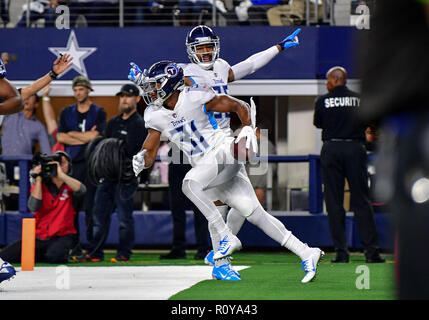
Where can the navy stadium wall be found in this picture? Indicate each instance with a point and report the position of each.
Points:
(154, 228)
(106, 52)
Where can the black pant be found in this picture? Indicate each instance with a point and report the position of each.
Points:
(53, 250)
(342, 160)
(178, 204)
(85, 203)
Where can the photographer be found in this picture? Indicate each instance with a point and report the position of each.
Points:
(51, 198)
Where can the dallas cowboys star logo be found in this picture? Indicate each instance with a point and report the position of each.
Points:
(77, 53)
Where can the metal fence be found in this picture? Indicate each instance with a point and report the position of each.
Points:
(124, 13)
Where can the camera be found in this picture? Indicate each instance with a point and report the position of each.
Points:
(48, 169)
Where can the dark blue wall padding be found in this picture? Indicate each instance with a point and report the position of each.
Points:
(154, 228)
(320, 48)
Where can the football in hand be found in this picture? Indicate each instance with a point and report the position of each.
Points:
(239, 151)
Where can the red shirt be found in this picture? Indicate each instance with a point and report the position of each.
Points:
(56, 215)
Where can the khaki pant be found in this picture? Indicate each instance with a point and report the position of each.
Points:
(291, 14)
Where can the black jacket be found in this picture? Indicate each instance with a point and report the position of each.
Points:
(335, 113)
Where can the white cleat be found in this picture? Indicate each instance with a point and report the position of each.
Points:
(309, 265)
(228, 245)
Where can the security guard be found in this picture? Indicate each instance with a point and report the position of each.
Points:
(343, 156)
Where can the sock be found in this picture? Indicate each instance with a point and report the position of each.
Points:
(223, 209)
(301, 249)
(223, 261)
(278, 232)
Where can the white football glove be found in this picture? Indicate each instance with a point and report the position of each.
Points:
(138, 162)
(251, 141)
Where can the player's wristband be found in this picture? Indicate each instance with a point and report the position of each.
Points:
(46, 99)
(52, 74)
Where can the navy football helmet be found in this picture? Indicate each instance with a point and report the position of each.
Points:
(161, 81)
(198, 36)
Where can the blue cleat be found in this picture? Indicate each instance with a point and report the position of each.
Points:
(228, 245)
(226, 273)
(209, 258)
(7, 271)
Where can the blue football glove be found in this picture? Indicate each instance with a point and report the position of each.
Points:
(290, 41)
(136, 75)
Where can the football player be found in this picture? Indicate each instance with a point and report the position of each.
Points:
(10, 102)
(203, 47)
(10, 99)
(184, 116)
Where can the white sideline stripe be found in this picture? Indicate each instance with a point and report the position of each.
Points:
(105, 283)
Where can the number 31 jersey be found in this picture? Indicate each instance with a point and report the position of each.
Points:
(217, 78)
(190, 126)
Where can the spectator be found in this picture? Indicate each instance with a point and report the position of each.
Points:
(254, 12)
(37, 11)
(287, 13)
(79, 124)
(4, 13)
(160, 13)
(194, 12)
(117, 190)
(20, 132)
(97, 13)
(50, 120)
(52, 200)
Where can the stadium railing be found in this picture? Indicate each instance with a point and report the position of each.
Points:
(145, 13)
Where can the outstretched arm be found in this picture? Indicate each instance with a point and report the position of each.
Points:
(260, 59)
(60, 65)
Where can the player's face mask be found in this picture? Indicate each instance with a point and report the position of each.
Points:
(161, 81)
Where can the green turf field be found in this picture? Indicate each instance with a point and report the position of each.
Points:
(277, 276)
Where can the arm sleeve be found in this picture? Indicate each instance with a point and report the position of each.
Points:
(34, 204)
(254, 62)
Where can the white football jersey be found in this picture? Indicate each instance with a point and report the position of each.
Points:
(190, 126)
(217, 78)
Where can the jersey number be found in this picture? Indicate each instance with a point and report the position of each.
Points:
(221, 90)
(192, 136)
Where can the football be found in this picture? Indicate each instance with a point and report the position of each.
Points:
(239, 151)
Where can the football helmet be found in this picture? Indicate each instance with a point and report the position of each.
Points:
(198, 36)
(161, 81)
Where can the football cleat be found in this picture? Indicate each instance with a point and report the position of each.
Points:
(7, 271)
(209, 258)
(120, 258)
(310, 264)
(228, 245)
(226, 273)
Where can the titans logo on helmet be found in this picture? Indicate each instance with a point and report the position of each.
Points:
(171, 70)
